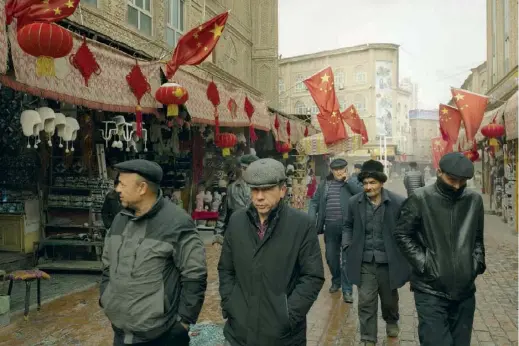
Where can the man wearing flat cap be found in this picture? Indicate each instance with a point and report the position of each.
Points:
(327, 207)
(237, 197)
(374, 262)
(413, 179)
(270, 268)
(154, 270)
(440, 232)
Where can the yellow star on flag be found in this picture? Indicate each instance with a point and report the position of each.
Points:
(45, 2)
(178, 92)
(352, 111)
(217, 31)
(205, 49)
(437, 143)
(195, 35)
(57, 11)
(325, 78)
(69, 4)
(459, 97)
(199, 45)
(445, 111)
(334, 114)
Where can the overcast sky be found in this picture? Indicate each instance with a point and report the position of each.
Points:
(440, 39)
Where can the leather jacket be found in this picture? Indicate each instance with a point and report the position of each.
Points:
(441, 235)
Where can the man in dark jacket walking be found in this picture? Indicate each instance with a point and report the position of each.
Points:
(327, 207)
(374, 262)
(270, 267)
(154, 272)
(413, 179)
(440, 232)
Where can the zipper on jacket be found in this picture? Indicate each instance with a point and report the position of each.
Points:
(452, 240)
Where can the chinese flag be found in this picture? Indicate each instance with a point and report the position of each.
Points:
(450, 122)
(364, 133)
(439, 148)
(351, 117)
(321, 87)
(29, 11)
(196, 45)
(472, 109)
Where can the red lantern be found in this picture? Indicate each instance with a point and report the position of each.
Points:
(284, 148)
(493, 131)
(226, 141)
(472, 155)
(173, 95)
(46, 41)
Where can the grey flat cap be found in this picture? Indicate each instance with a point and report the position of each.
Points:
(457, 165)
(149, 170)
(265, 173)
(338, 163)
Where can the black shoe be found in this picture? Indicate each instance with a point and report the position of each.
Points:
(347, 298)
(334, 288)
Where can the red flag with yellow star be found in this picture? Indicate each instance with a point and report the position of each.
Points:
(450, 122)
(351, 117)
(321, 87)
(364, 133)
(196, 45)
(29, 11)
(472, 109)
(439, 147)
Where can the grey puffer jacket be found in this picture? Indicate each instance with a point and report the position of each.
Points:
(237, 197)
(413, 180)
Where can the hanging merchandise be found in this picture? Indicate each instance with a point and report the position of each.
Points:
(85, 61)
(30, 121)
(283, 148)
(493, 131)
(139, 86)
(249, 110)
(60, 123)
(48, 119)
(232, 106)
(306, 131)
(214, 96)
(226, 141)
(70, 133)
(288, 130)
(173, 95)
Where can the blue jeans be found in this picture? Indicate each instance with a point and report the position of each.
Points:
(334, 253)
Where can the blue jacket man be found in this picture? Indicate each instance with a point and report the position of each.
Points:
(327, 207)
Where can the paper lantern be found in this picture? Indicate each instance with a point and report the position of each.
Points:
(284, 148)
(173, 95)
(493, 131)
(226, 141)
(46, 41)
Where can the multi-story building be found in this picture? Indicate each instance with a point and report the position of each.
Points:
(246, 56)
(366, 76)
(424, 126)
(407, 84)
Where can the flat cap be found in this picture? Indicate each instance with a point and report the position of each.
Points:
(149, 170)
(338, 163)
(357, 165)
(457, 165)
(248, 159)
(265, 173)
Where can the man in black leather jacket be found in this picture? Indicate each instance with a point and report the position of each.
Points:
(440, 232)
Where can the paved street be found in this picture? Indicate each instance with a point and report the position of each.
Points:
(495, 321)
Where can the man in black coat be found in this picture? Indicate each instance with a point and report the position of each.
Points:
(327, 207)
(440, 232)
(270, 268)
(374, 262)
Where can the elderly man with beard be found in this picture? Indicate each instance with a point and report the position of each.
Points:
(374, 262)
(440, 232)
(270, 268)
(154, 271)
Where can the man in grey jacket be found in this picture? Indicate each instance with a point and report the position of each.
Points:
(413, 179)
(154, 269)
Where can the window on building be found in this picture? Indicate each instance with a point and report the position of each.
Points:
(300, 108)
(174, 21)
(506, 23)
(314, 110)
(89, 2)
(139, 15)
(340, 80)
(360, 103)
(300, 86)
(281, 85)
(360, 75)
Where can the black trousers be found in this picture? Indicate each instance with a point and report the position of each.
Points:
(444, 322)
(374, 282)
(177, 336)
(335, 258)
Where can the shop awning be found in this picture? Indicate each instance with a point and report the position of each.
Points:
(315, 145)
(297, 129)
(511, 128)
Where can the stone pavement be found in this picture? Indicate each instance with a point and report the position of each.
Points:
(76, 319)
(495, 320)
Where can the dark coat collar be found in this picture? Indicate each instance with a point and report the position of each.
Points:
(159, 203)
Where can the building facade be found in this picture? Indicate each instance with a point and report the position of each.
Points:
(366, 76)
(409, 85)
(424, 126)
(246, 55)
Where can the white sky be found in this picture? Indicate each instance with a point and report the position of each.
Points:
(440, 39)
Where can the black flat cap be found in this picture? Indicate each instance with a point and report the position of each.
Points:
(246, 160)
(265, 173)
(357, 165)
(149, 170)
(338, 163)
(457, 165)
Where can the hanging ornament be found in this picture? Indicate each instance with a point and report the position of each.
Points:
(288, 130)
(493, 131)
(306, 131)
(473, 154)
(172, 95)
(283, 148)
(139, 86)
(85, 61)
(45, 41)
(226, 141)
(214, 96)
(249, 110)
(232, 106)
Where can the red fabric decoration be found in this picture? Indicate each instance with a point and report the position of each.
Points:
(306, 131)
(29, 11)
(139, 86)
(249, 110)
(85, 61)
(214, 96)
(226, 141)
(493, 130)
(232, 106)
(288, 130)
(450, 122)
(284, 148)
(472, 109)
(173, 95)
(276, 123)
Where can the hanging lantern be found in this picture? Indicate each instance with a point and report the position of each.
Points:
(226, 141)
(284, 148)
(46, 41)
(172, 95)
(493, 131)
(472, 155)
